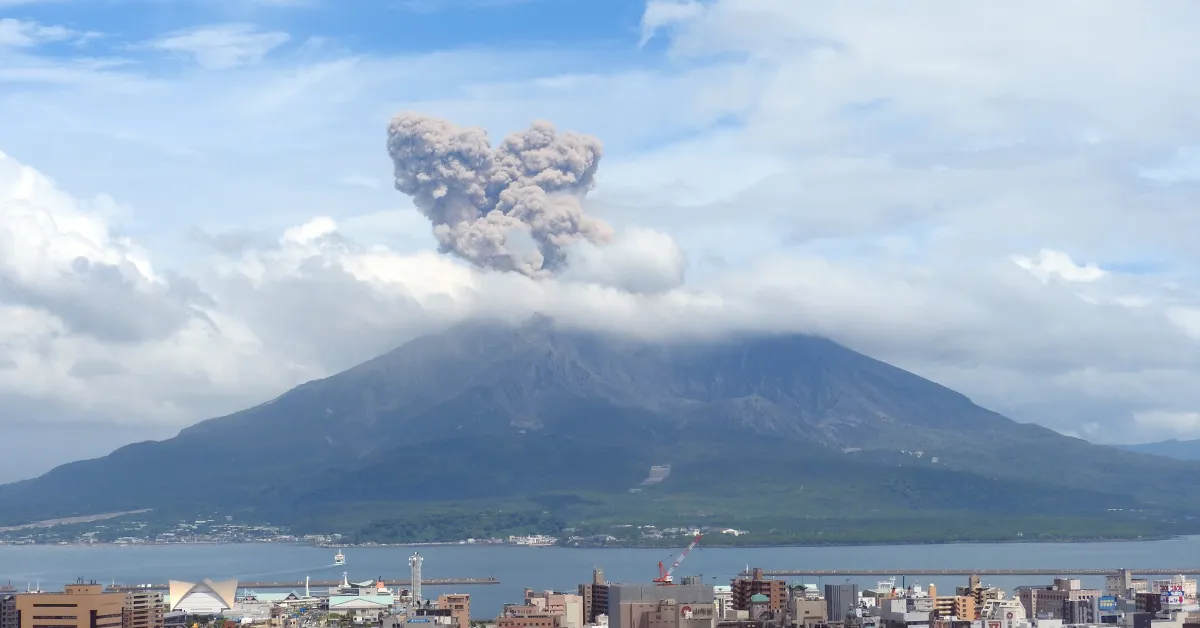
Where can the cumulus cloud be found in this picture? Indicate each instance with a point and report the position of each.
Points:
(58, 257)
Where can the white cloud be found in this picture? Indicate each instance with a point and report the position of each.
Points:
(1056, 264)
(1167, 424)
(23, 34)
(221, 47)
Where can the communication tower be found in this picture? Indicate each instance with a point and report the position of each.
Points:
(414, 566)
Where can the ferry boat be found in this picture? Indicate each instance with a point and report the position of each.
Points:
(339, 558)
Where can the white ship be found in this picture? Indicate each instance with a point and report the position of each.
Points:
(339, 558)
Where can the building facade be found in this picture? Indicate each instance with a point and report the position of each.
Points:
(9, 618)
(756, 584)
(143, 609)
(957, 606)
(595, 597)
(840, 601)
(77, 606)
(459, 605)
(647, 596)
(1050, 602)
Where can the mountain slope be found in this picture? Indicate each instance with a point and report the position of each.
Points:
(1172, 448)
(489, 414)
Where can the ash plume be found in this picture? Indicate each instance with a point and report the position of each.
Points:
(513, 207)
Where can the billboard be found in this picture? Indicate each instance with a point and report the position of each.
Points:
(1107, 603)
(1171, 595)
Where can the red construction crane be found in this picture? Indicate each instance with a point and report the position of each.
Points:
(664, 575)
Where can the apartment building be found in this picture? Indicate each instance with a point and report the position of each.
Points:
(595, 597)
(459, 605)
(143, 609)
(958, 606)
(745, 588)
(8, 611)
(79, 605)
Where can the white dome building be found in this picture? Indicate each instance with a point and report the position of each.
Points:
(203, 598)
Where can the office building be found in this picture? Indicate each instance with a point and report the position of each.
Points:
(665, 613)
(595, 597)
(459, 605)
(1049, 602)
(143, 609)
(745, 588)
(80, 605)
(807, 612)
(647, 596)
(840, 601)
(547, 609)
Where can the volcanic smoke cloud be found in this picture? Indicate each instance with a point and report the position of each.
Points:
(515, 207)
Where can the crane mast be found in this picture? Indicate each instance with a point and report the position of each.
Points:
(665, 575)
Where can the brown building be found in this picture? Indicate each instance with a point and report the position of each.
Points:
(78, 606)
(143, 609)
(745, 588)
(959, 606)
(595, 597)
(666, 613)
(459, 605)
(980, 593)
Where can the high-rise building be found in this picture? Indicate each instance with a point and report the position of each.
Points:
(840, 600)
(459, 605)
(9, 618)
(595, 597)
(745, 588)
(143, 609)
(79, 605)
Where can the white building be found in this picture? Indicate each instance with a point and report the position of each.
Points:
(203, 598)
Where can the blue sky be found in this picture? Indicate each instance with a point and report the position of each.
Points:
(381, 27)
(975, 195)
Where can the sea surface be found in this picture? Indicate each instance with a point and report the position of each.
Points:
(563, 569)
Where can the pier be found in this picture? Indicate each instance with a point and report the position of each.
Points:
(321, 584)
(833, 573)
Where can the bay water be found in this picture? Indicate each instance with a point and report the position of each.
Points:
(562, 569)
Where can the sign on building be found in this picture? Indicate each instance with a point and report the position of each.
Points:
(1107, 603)
(1171, 595)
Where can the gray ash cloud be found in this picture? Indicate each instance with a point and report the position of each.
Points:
(515, 207)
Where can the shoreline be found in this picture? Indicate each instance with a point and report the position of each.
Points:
(1142, 539)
